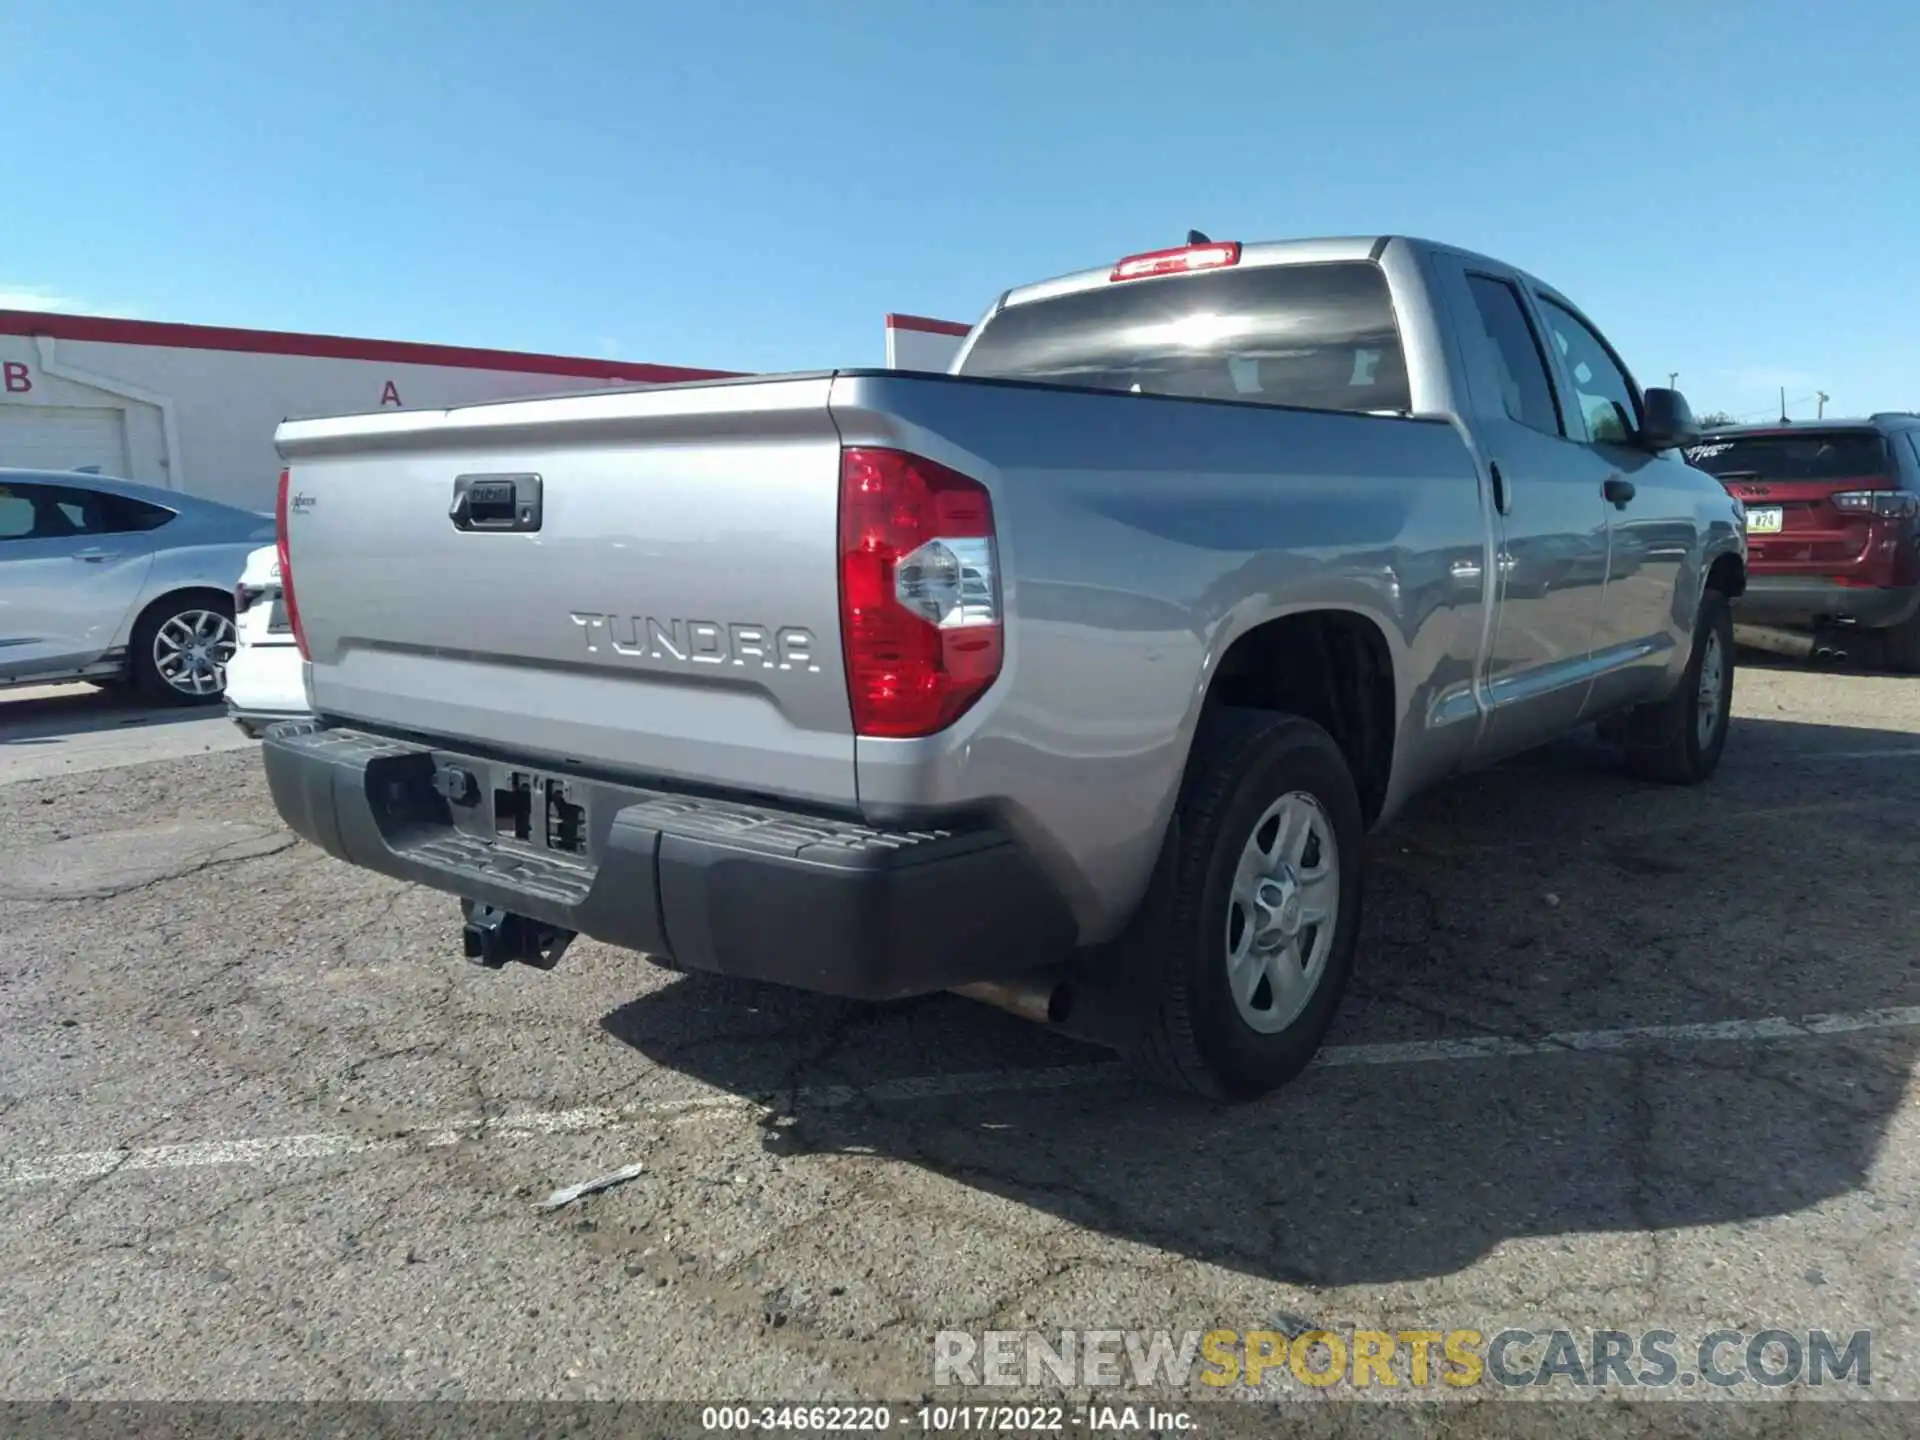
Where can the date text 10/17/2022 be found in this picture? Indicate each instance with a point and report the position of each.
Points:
(944, 1419)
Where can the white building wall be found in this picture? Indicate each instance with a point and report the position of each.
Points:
(202, 420)
(199, 416)
(915, 342)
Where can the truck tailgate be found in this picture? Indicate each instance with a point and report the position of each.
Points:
(638, 581)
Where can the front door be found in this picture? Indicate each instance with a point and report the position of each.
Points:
(1648, 609)
(1552, 522)
(68, 577)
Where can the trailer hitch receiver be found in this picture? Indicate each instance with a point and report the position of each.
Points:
(492, 937)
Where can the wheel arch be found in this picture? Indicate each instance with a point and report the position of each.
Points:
(220, 599)
(1728, 575)
(1333, 665)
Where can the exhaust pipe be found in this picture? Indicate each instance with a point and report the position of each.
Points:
(1044, 997)
(1791, 643)
(1065, 1001)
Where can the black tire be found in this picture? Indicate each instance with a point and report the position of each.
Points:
(144, 663)
(1664, 741)
(1900, 647)
(1193, 1034)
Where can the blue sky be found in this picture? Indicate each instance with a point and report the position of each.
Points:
(1731, 190)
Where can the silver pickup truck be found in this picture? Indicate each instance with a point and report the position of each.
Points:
(1072, 679)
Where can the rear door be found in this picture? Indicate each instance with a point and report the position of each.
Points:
(1787, 479)
(70, 571)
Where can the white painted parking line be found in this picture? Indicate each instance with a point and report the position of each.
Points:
(45, 759)
(1903, 753)
(94, 1164)
(1637, 1037)
(52, 730)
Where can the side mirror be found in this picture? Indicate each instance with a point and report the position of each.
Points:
(1669, 421)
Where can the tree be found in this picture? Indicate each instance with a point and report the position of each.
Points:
(1713, 419)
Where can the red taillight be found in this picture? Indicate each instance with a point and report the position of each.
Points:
(286, 566)
(919, 592)
(1178, 261)
(1885, 504)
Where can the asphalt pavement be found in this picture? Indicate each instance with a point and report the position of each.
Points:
(1617, 1057)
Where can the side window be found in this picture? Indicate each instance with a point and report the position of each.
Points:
(1913, 444)
(16, 513)
(1525, 381)
(65, 511)
(1606, 397)
(120, 515)
(49, 512)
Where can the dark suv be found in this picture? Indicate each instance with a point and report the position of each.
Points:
(1833, 524)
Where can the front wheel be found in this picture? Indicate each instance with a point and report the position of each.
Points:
(1679, 740)
(1265, 908)
(181, 647)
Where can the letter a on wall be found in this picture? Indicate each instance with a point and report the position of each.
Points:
(389, 395)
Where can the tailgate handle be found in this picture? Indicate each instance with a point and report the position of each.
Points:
(496, 502)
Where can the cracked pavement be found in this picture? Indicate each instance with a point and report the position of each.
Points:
(826, 1185)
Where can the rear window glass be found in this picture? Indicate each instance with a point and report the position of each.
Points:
(1832, 455)
(1321, 336)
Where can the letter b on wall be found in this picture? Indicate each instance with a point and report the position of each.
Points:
(16, 377)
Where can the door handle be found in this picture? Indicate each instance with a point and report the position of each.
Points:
(1618, 492)
(496, 502)
(1499, 486)
(94, 557)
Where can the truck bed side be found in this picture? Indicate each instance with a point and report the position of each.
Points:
(1139, 537)
(675, 616)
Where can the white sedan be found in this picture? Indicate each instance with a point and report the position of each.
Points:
(265, 679)
(119, 583)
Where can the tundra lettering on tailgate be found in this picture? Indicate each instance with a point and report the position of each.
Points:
(700, 642)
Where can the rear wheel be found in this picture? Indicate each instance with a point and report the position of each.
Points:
(1900, 646)
(1679, 741)
(181, 647)
(1264, 911)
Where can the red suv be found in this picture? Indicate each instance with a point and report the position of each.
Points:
(1833, 524)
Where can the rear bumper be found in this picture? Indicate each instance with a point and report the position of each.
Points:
(739, 889)
(267, 679)
(1784, 600)
(255, 721)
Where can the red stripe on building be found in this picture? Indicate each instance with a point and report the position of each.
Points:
(927, 326)
(103, 330)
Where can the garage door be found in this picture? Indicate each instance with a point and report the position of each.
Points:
(64, 437)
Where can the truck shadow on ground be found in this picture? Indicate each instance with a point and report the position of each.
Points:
(1552, 895)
